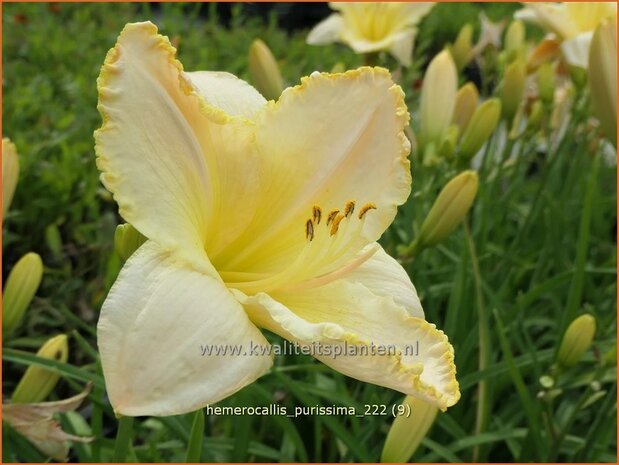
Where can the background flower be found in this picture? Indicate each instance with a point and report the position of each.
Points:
(572, 22)
(372, 27)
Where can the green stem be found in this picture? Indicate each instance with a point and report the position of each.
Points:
(194, 446)
(123, 439)
(410, 251)
(483, 394)
(96, 425)
(526, 400)
(574, 297)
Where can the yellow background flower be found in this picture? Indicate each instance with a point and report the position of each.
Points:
(572, 22)
(372, 27)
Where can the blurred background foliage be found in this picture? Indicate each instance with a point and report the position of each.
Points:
(527, 226)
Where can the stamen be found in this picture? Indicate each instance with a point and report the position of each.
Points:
(338, 273)
(332, 216)
(350, 208)
(317, 214)
(309, 230)
(367, 207)
(336, 224)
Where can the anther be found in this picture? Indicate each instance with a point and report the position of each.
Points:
(336, 224)
(316, 214)
(349, 208)
(367, 207)
(332, 216)
(309, 230)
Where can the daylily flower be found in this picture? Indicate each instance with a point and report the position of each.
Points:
(373, 27)
(572, 23)
(257, 214)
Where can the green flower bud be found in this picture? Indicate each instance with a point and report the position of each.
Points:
(407, 431)
(512, 89)
(576, 341)
(483, 123)
(19, 289)
(127, 240)
(53, 240)
(10, 173)
(610, 357)
(338, 68)
(38, 382)
(466, 103)
(461, 48)
(449, 209)
(535, 117)
(264, 71)
(515, 40)
(603, 77)
(447, 149)
(438, 98)
(546, 82)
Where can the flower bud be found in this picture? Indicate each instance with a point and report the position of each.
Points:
(264, 71)
(127, 240)
(515, 36)
(576, 341)
(10, 173)
(535, 116)
(447, 149)
(461, 48)
(483, 123)
(514, 40)
(338, 68)
(513, 88)
(438, 98)
(466, 103)
(407, 431)
(603, 77)
(610, 356)
(19, 289)
(546, 82)
(449, 209)
(38, 382)
(53, 240)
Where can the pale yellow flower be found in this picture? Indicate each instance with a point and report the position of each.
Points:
(373, 27)
(257, 215)
(572, 23)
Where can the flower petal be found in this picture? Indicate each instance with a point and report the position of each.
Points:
(326, 31)
(227, 92)
(174, 159)
(333, 140)
(402, 46)
(587, 15)
(153, 325)
(414, 357)
(576, 50)
(384, 276)
(552, 17)
(414, 12)
(150, 147)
